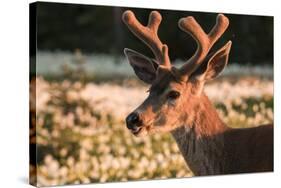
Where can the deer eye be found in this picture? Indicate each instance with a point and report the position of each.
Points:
(173, 95)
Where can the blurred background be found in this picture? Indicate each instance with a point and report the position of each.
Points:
(82, 88)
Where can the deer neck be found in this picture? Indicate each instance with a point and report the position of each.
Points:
(201, 139)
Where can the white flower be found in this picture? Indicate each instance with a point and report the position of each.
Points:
(72, 96)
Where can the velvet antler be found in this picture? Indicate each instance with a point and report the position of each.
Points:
(204, 41)
(148, 34)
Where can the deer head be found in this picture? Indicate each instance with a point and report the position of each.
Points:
(175, 93)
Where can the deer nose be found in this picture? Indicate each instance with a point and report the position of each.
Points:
(133, 121)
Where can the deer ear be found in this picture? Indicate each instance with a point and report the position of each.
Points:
(144, 67)
(214, 65)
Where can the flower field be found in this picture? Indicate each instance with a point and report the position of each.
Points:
(82, 137)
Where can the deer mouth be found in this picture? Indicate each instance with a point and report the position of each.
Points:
(137, 130)
(142, 131)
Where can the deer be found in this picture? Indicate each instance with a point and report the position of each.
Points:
(177, 104)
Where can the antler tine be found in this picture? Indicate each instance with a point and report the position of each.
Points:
(149, 34)
(204, 41)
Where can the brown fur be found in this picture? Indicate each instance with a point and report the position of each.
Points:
(208, 146)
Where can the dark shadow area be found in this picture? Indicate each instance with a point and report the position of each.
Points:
(99, 29)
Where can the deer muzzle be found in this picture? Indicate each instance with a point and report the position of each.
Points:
(134, 122)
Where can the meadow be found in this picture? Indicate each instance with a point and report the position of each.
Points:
(82, 138)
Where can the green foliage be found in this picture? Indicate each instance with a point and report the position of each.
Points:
(99, 29)
(77, 70)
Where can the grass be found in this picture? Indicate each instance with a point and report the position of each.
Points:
(82, 137)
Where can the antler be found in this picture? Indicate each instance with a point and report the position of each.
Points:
(203, 40)
(149, 34)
